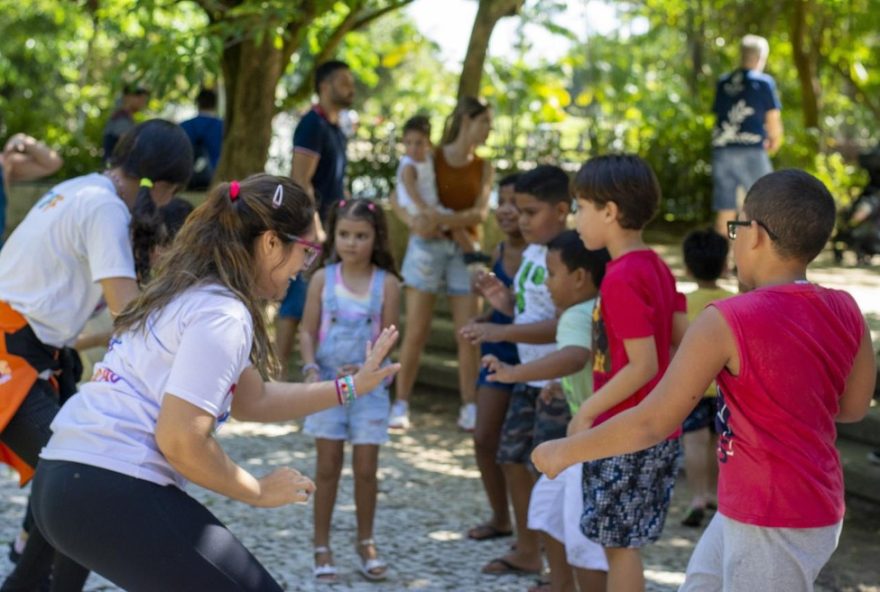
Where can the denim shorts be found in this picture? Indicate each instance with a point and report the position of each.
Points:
(435, 265)
(295, 300)
(364, 422)
(504, 351)
(733, 168)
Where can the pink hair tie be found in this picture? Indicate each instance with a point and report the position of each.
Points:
(233, 190)
(371, 206)
(341, 203)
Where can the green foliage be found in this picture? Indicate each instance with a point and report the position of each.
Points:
(646, 87)
(63, 65)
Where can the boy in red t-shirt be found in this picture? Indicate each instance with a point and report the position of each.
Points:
(637, 320)
(791, 359)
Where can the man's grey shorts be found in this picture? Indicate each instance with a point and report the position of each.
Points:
(733, 168)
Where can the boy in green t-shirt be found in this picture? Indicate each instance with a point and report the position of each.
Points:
(573, 278)
(705, 257)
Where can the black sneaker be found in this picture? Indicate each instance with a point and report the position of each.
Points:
(694, 518)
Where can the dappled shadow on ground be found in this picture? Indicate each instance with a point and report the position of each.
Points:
(430, 494)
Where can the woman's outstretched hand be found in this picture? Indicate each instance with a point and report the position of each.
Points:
(284, 486)
(372, 373)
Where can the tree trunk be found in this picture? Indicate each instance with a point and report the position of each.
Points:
(251, 72)
(488, 15)
(805, 62)
(696, 34)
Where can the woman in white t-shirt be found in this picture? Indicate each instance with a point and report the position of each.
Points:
(189, 352)
(71, 250)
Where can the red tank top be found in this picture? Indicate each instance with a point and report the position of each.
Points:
(778, 463)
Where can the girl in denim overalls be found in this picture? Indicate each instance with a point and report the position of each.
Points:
(348, 303)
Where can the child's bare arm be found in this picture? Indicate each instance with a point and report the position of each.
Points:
(679, 326)
(409, 177)
(535, 333)
(640, 369)
(391, 302)
(310, 323)
(706, 349)
(860, 385)
(561, 363)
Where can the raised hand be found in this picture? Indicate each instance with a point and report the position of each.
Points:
(477, 333)
(498, 370)
(552, 390)
(284, 486)
(545, 459)
(494, 291)
(372, 373)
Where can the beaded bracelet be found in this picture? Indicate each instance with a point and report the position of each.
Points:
(347, 388)
(339, 398)
(352, 392)
(311, 366)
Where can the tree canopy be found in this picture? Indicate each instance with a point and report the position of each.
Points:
(645, 86)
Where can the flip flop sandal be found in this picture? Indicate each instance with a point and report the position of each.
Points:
(509, 569)
(369, 566)
(486, 532)
(325, 573)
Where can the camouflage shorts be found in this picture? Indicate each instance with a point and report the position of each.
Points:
(529, 422)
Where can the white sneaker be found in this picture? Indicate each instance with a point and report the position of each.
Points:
(467, 417)
(399, 418)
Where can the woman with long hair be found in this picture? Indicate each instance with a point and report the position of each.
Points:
(192, 350)
(434, 263)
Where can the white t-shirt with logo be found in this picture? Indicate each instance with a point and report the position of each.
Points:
(533, 302)
(195, 348)
(426, 182)
(75, 235)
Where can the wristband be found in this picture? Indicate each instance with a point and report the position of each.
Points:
(310, 366)
(351, 391)
(339, 398)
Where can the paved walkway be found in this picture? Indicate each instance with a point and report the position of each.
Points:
(429, 495)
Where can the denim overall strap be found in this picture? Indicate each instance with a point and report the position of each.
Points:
(329, 304)
(377, 293)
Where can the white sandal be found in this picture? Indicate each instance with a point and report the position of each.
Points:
(368, 566)
(326, 573)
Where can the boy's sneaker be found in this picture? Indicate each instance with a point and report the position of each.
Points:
(399, 418)
(467, 417)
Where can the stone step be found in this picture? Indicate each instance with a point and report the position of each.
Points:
(442, 336)
(866, 431)
(438, 372)
(861, 477)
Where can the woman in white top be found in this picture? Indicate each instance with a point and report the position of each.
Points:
(70, 251)
(190, 351)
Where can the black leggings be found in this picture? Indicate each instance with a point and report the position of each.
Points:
(140, 535)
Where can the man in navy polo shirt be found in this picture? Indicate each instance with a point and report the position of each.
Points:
(319, 162)
(205, 132)
(748, 126)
